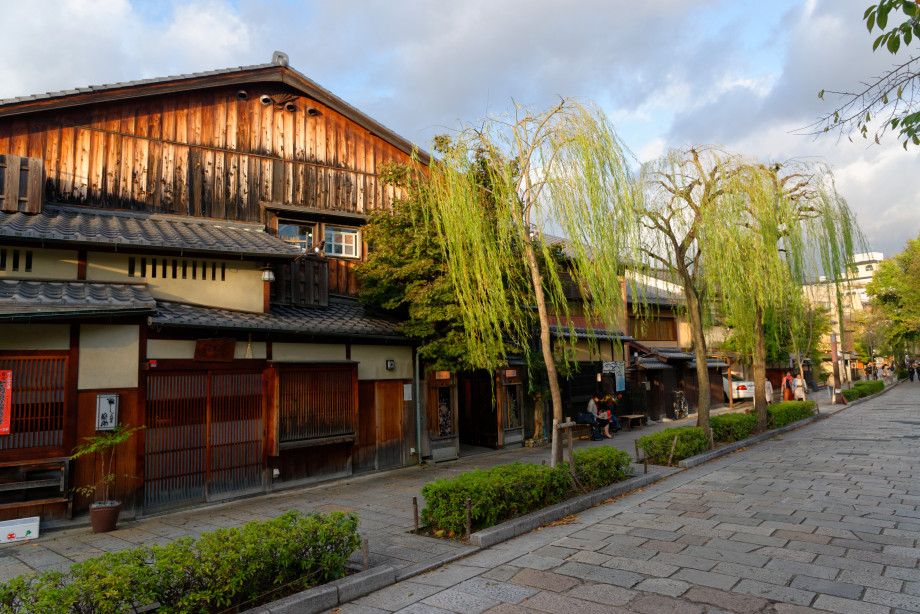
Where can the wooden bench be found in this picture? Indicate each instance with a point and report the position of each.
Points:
(632, 420)
(19, 478)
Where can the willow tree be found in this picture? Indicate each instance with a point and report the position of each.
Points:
(788, 223)
(560, 169)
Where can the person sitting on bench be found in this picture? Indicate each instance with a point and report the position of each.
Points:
(601, 421)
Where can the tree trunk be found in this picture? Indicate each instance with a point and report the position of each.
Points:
(694, 310)
(760, 371)
(546, 346)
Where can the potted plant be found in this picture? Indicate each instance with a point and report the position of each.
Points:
(103, 513)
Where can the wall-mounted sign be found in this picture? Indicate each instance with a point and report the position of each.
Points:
(106, 412)
(618, 369)
(442, 374)
(391, 364)
(215, 350)
(407, 392)
(6, 402)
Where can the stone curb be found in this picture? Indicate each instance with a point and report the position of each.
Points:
(528, 522)
(415, 570)
(727, 449)
(339, 592)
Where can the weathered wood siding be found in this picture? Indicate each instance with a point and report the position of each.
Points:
(205, 154)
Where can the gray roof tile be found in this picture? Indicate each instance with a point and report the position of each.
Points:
(103, 227)
(341, 318)
(585, 333)
(39, 298)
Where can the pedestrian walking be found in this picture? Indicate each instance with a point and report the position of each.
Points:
(799, 387)
(831, 385)
(788, 391)
(911, 369)
(768, 390)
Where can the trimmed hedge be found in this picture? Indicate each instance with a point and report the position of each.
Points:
(870, 387)
(508, 491)
(690, 442)
(852, 394)
(732, 427)
(787, 412)
(218, 571)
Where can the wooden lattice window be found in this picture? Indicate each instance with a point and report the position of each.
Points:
(317, 402)
(39, 400)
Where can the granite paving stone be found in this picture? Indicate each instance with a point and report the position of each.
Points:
(459, 601)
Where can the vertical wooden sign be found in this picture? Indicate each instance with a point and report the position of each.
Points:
(6, 404)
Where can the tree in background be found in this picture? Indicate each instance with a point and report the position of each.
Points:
(892, 98)
(787, 223)
(562, 169)
(895, 292)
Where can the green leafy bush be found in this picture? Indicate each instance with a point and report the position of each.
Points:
(901, 373)
(219, 570)
(787, 412)
(690, 442)
(732, 427)
(870, 387)
(499, 493)
(601, 465)
(852, 394)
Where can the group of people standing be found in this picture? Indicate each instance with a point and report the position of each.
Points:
(793, 388)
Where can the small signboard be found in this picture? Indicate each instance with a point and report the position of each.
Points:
(215, 350)
(407, 392)
(106, 412)
(18, 530)
(6, 402)
(619, 373)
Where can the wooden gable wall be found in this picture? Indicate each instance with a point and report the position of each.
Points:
(207, 154)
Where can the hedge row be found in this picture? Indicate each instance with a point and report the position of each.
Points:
(508, 491)
(725, 428)
(218, 571)
(870, 387)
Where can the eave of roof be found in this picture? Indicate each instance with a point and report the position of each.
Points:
(77, 226)
(589, 333)
(240, 75)
(31, 299)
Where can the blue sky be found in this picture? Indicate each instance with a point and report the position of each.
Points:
(669, 73)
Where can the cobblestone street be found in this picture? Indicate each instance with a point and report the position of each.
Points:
(825, 518)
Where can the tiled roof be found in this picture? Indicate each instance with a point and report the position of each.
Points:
(45, 299)
(96, 227)
(672, 353)
(653, 364)
(586, 333)
(341, 318)
(711, 363)
(652, 295)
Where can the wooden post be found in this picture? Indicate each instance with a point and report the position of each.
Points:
(556, 442)
(645, 462)
(469, 518)
(415, 513)
(636, 442)
(366, 557)
(571, 451)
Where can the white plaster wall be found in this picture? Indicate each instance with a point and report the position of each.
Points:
(372, 361)
(307, 352)
(108, 356)
(46, 264)
(182, 349)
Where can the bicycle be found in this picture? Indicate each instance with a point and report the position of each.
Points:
(681, 409)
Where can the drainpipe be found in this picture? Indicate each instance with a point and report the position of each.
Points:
(418, 412)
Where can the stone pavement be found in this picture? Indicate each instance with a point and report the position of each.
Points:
(383, 502)
(825, 518)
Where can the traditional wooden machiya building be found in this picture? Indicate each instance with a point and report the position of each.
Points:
(184, 249)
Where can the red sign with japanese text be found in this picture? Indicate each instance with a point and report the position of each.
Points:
(6, 404)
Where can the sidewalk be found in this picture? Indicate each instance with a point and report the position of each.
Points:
(382, 501)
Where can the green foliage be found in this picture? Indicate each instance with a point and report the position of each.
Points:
(600, 466)
(103, 445)
(786, 412)
(902, 373)
(499, 493)
(509, 491)
(895, 291)
(218, 571)
(870, 387)
(852, 394)
(690, 442)
(733, 427)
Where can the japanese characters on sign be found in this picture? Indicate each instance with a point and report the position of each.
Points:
(106, 412)
(6, 403)
(618, 368)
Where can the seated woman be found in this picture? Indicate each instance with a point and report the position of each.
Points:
(609, 404)
(600, 415)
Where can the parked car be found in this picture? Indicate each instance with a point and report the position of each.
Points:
(741, 388)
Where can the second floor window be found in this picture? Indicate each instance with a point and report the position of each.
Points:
(342, 242)
(300, 235)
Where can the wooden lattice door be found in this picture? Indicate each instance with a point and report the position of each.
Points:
(205, 436)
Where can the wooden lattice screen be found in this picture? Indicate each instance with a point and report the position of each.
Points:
(317, 402)
(38, 401)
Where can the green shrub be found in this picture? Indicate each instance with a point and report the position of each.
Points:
(690, 442)
(902, 373)
(218, 571)
(732, 427)
(787, 412)
(853, 393)
(870, 387)
(601, 465)
(499, 493)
